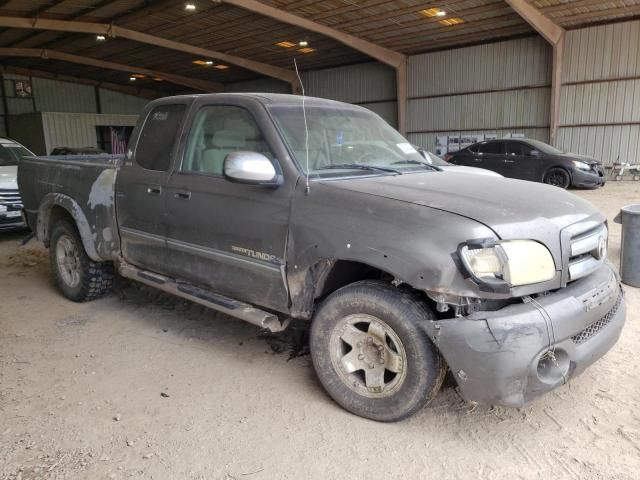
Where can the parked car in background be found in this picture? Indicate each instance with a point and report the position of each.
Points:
(533, 160)
(434, 159)
(11, 153)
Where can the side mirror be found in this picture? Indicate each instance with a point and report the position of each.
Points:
(534, 153)
(251, 168)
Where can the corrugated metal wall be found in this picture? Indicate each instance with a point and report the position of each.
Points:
(56, 96)
(118, 103)
(600, 101)
(78, 129)
(3, 119)
(496, 88)
(371, 85)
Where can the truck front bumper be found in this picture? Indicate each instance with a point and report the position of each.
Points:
(511, 356)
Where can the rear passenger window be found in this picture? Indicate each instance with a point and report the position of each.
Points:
(515, 148)
(217, 131)
(158, 137)
(495, 148)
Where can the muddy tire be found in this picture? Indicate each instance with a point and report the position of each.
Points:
(371, 354)
(558, 177)
(76, 275)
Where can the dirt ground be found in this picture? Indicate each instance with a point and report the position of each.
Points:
(141, 385)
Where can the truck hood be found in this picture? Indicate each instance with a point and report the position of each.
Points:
(473, 170)
(9, 177)
(511, 208)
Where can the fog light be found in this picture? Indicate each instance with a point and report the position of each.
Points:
(553, 366)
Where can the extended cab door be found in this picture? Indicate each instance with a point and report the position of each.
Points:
(225, 236)
(141, 185)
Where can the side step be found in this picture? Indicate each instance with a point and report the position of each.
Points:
(226, 305)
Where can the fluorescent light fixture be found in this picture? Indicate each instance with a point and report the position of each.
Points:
(200, 62)
(157, 79)
(221, 67)
(303, 43)
(190, 7)
(138, 75)
(431, 12)
(286, 44)
(100, 38)
(306, 50)
(441, 13)
(132, 78)
(448, 22)
(208, 62)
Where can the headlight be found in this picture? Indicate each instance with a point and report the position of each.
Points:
(581, 165)
(507, 264)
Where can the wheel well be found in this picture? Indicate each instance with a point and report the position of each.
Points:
(345, 272)
(561, 167)
(57, 213)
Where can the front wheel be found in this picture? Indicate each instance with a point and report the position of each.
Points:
(78, 277)
(558, 177)
(370, 353)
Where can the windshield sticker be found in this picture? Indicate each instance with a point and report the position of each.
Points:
(161, 116)
(340, 138)
(406, 148)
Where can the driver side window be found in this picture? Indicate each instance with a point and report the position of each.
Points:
(217, 131)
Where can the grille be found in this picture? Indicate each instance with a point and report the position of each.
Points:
(10, 197)
(598, 325)
(586, 252)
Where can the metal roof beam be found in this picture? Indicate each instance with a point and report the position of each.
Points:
(551, 31)
(382, 54)
(554, 34)
(196, 84)
(115, 31)
(392, 58)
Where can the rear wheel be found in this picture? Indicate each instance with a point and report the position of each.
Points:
(78, 277)
(558, 177)
(370, 353)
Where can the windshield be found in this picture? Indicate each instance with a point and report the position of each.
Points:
(345, 141)
(10, 154)
(543, 147)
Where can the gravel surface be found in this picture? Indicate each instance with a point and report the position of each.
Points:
(143, 385)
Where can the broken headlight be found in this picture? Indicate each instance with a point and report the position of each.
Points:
(512, 263)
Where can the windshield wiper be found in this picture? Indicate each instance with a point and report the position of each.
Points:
(418, 162)
(360, 166)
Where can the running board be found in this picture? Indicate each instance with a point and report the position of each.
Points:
(215, 301)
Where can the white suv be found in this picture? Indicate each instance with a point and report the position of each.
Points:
(10, 203)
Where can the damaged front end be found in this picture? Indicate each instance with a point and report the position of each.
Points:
(510, 354)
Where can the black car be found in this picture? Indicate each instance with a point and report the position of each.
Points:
(533, 160)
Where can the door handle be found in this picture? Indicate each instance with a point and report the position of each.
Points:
(154, 189)
(184, 195)
(478, 159)
(509, 161)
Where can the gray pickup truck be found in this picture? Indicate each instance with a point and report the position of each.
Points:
(272, 211)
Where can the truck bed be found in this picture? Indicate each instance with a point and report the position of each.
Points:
(84, 186)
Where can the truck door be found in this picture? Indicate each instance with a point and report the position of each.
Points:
(228, 237)
(141, 186)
